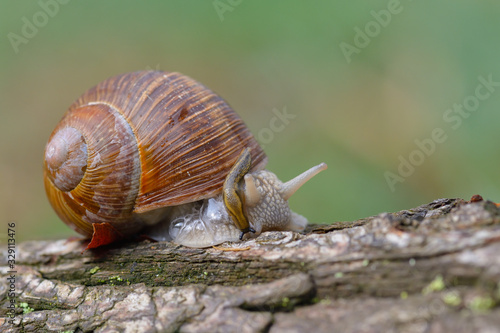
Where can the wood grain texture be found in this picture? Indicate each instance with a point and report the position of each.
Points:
(433, 268)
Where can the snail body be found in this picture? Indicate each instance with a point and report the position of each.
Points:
(159, 153)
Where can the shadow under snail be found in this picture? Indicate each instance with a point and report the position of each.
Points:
(159, 154)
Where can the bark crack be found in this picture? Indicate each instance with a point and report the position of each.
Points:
(433, 267)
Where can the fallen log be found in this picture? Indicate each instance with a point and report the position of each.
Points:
(434, 268)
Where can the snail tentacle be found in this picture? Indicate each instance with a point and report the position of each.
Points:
(252, 194)
(233, 200)
(291, 186)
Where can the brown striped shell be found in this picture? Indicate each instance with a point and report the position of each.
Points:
(139, 142)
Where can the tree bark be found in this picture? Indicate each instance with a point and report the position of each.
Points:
(434, 268)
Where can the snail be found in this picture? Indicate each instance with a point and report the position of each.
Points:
(159, 154)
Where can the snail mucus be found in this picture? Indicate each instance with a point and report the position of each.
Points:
(159, 154)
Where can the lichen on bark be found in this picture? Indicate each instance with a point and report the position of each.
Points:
(432, 268)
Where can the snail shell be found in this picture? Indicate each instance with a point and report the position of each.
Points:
(160, 153)
(138, 142)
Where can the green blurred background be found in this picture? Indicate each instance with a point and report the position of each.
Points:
(360, 117)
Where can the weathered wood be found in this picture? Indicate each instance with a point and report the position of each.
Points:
(434, 268)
